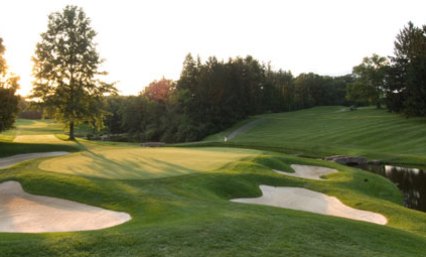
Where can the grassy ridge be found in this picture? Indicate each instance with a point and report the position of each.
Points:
(323, 131)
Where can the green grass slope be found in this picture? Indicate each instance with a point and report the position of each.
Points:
(322, 131)
(191, 215)
(179, 202)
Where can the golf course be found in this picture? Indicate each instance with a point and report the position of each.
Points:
(220, 200)
(324, 131)
(213, 128)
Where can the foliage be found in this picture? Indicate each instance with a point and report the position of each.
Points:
(211, 96)
(158, 91)
(368, 87)
(8, 98)
(406, 83)
(66, 70)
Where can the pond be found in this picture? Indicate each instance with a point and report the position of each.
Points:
(411, 181)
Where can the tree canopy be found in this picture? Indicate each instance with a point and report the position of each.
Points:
(66, 69)
(406, 82)
(8, 98)
(369, 84)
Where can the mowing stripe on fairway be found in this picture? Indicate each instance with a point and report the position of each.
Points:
(145, 163)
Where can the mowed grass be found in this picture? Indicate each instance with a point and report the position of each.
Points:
(143, 163)
(323, 131)
(179, 202)
(31, 136)
(35, 127)
(191, 215)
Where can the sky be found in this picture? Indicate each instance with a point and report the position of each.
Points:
(141, 41)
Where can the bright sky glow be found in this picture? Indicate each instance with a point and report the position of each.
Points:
(144, 40)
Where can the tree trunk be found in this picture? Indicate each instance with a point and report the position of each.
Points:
(71, 131)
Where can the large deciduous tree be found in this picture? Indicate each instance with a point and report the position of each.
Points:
(8, 98)
(368, 87)
(66, 70)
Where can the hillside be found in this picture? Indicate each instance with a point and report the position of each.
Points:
(322, 131)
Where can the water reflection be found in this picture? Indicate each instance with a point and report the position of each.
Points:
(411, 181)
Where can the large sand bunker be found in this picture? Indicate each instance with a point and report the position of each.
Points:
(24, 212)
(307, 171)
(310, 201)
(12, 160)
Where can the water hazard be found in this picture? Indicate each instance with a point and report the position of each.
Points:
(411, 181)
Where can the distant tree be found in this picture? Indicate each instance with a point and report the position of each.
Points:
(114, 106)
(66, 67)
(307, 90)
(336, 88)
(8, 98)
(213, 95)
(406, 87)
(158, 90)
(395, 88)
(368, 87)
(283, 98)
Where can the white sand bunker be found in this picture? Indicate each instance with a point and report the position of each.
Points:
(23, 212)
(306, 200)
(307, 171)
(12, 160)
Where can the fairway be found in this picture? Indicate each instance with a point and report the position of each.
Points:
(144, 163)
(179, 201)
(37, 139)
(323, 131)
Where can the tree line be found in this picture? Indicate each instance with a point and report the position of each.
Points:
(210, 95)
(398, 81)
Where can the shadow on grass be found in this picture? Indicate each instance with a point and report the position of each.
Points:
(9, 149)
(142, 168)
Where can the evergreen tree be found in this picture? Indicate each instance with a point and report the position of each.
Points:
(408, 78)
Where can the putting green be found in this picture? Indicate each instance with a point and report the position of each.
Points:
(145, 163)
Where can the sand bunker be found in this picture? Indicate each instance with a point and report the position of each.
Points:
(12, 160)
(306, 200)
(23, 212)
(307, 171)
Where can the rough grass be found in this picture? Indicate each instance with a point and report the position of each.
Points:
(323, 131)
